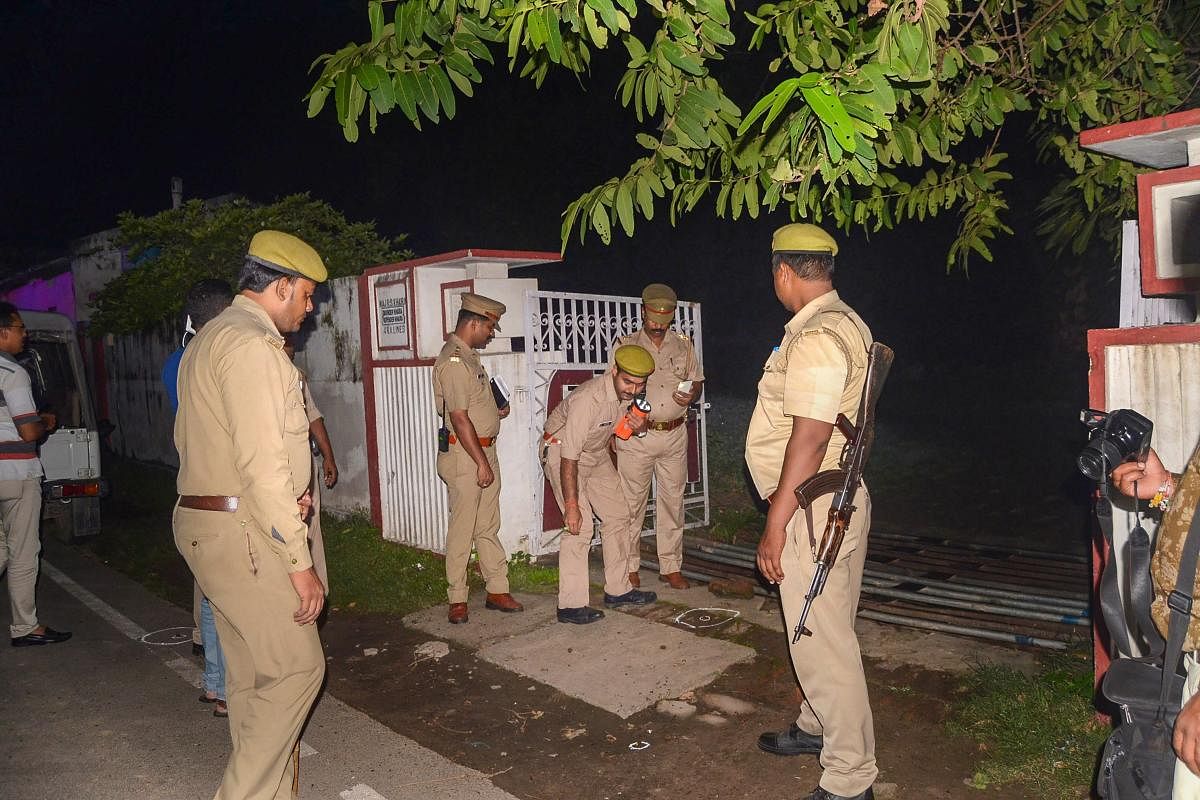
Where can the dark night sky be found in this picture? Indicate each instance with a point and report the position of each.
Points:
(104, 101)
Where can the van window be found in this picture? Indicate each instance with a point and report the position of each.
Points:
(54, 387)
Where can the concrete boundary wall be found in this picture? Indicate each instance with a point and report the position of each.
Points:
(329, 354)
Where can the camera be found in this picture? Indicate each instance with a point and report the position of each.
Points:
(1121, 435)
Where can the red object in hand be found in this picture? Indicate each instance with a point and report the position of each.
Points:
(638, 410)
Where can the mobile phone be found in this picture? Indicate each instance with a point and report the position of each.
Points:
(684, 387)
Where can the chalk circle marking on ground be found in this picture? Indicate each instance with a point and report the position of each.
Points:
(702, 618)
(168, 637)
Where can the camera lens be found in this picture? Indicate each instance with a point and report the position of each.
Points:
(1096, 456)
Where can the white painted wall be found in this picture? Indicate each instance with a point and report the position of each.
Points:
(330, 355)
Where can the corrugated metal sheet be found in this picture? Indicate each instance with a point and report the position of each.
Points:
(414, 507)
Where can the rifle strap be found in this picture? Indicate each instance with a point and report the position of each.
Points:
(1180, 603)
(808, 520)
(1141, 593)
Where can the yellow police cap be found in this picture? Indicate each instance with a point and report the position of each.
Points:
(802, 237)
(484, 306)
(659, 300)
(634, 360)
(285, 253)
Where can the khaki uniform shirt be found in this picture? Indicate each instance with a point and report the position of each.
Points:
(310, 405)
(817, 372)
(1168, 550)
(675, 361)
(460, 383)
(583, 421)
(241, 429)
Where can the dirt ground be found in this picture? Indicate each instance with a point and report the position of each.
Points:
(539, 744)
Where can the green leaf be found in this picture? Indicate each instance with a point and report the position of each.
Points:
(341, 96)
(554, 40)
(600, 222)
(684, 61)
(514, 34)
(882, 93)
(375, 15)
(368, 75)
(828, 107)
(981, 54)
(624, 206)
(316, 100)
(383, 96)
(783, 95)
(714, 9)
(598, 33)
(427, 99)
(647, 141)
(456, 61)
(691, 124)
(645, 198)
(407, 94)
(461, 82)
(441, 85)
(717, 34)
(607, 12)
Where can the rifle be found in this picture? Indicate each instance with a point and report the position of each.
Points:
(844, 481)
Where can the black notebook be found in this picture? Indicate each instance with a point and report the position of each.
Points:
(500, 391)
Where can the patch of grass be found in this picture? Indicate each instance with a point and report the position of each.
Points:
(136, 537)
(730, 525)
(1038, 730)
(526, 576)
(369, 574)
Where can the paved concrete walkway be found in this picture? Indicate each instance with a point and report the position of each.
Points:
(622, 663)
(113, 712)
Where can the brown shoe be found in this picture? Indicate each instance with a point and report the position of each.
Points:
(458, 613)
(503, 602)
(675, 580)
(635, 580)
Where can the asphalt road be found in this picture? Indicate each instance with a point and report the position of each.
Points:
(113, 712)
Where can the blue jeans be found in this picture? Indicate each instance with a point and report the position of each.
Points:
(214, 659)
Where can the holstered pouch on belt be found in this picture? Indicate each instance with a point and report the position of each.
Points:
(443, 439)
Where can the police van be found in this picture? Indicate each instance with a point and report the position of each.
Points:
(72, 486)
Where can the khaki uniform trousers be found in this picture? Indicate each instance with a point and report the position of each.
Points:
(599, 495)
(273, 667)
(474, 520)
(20, 544)
(828, 664)
(663, 455)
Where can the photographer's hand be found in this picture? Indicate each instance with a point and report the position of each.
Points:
(1186, 739)
(1148, 476)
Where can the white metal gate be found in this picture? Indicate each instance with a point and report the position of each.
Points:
(576, 332)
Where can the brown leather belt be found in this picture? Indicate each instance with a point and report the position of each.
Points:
(667, 426)
(208, 502)
(484, 441)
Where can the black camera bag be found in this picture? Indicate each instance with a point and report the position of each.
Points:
(1138, 761)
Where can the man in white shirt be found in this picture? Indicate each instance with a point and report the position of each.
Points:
(21, 427)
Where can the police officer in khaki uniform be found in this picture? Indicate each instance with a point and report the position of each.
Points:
(244, 470)
(578, 461)
(676, 382)
(463, 393)
(815, 373)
